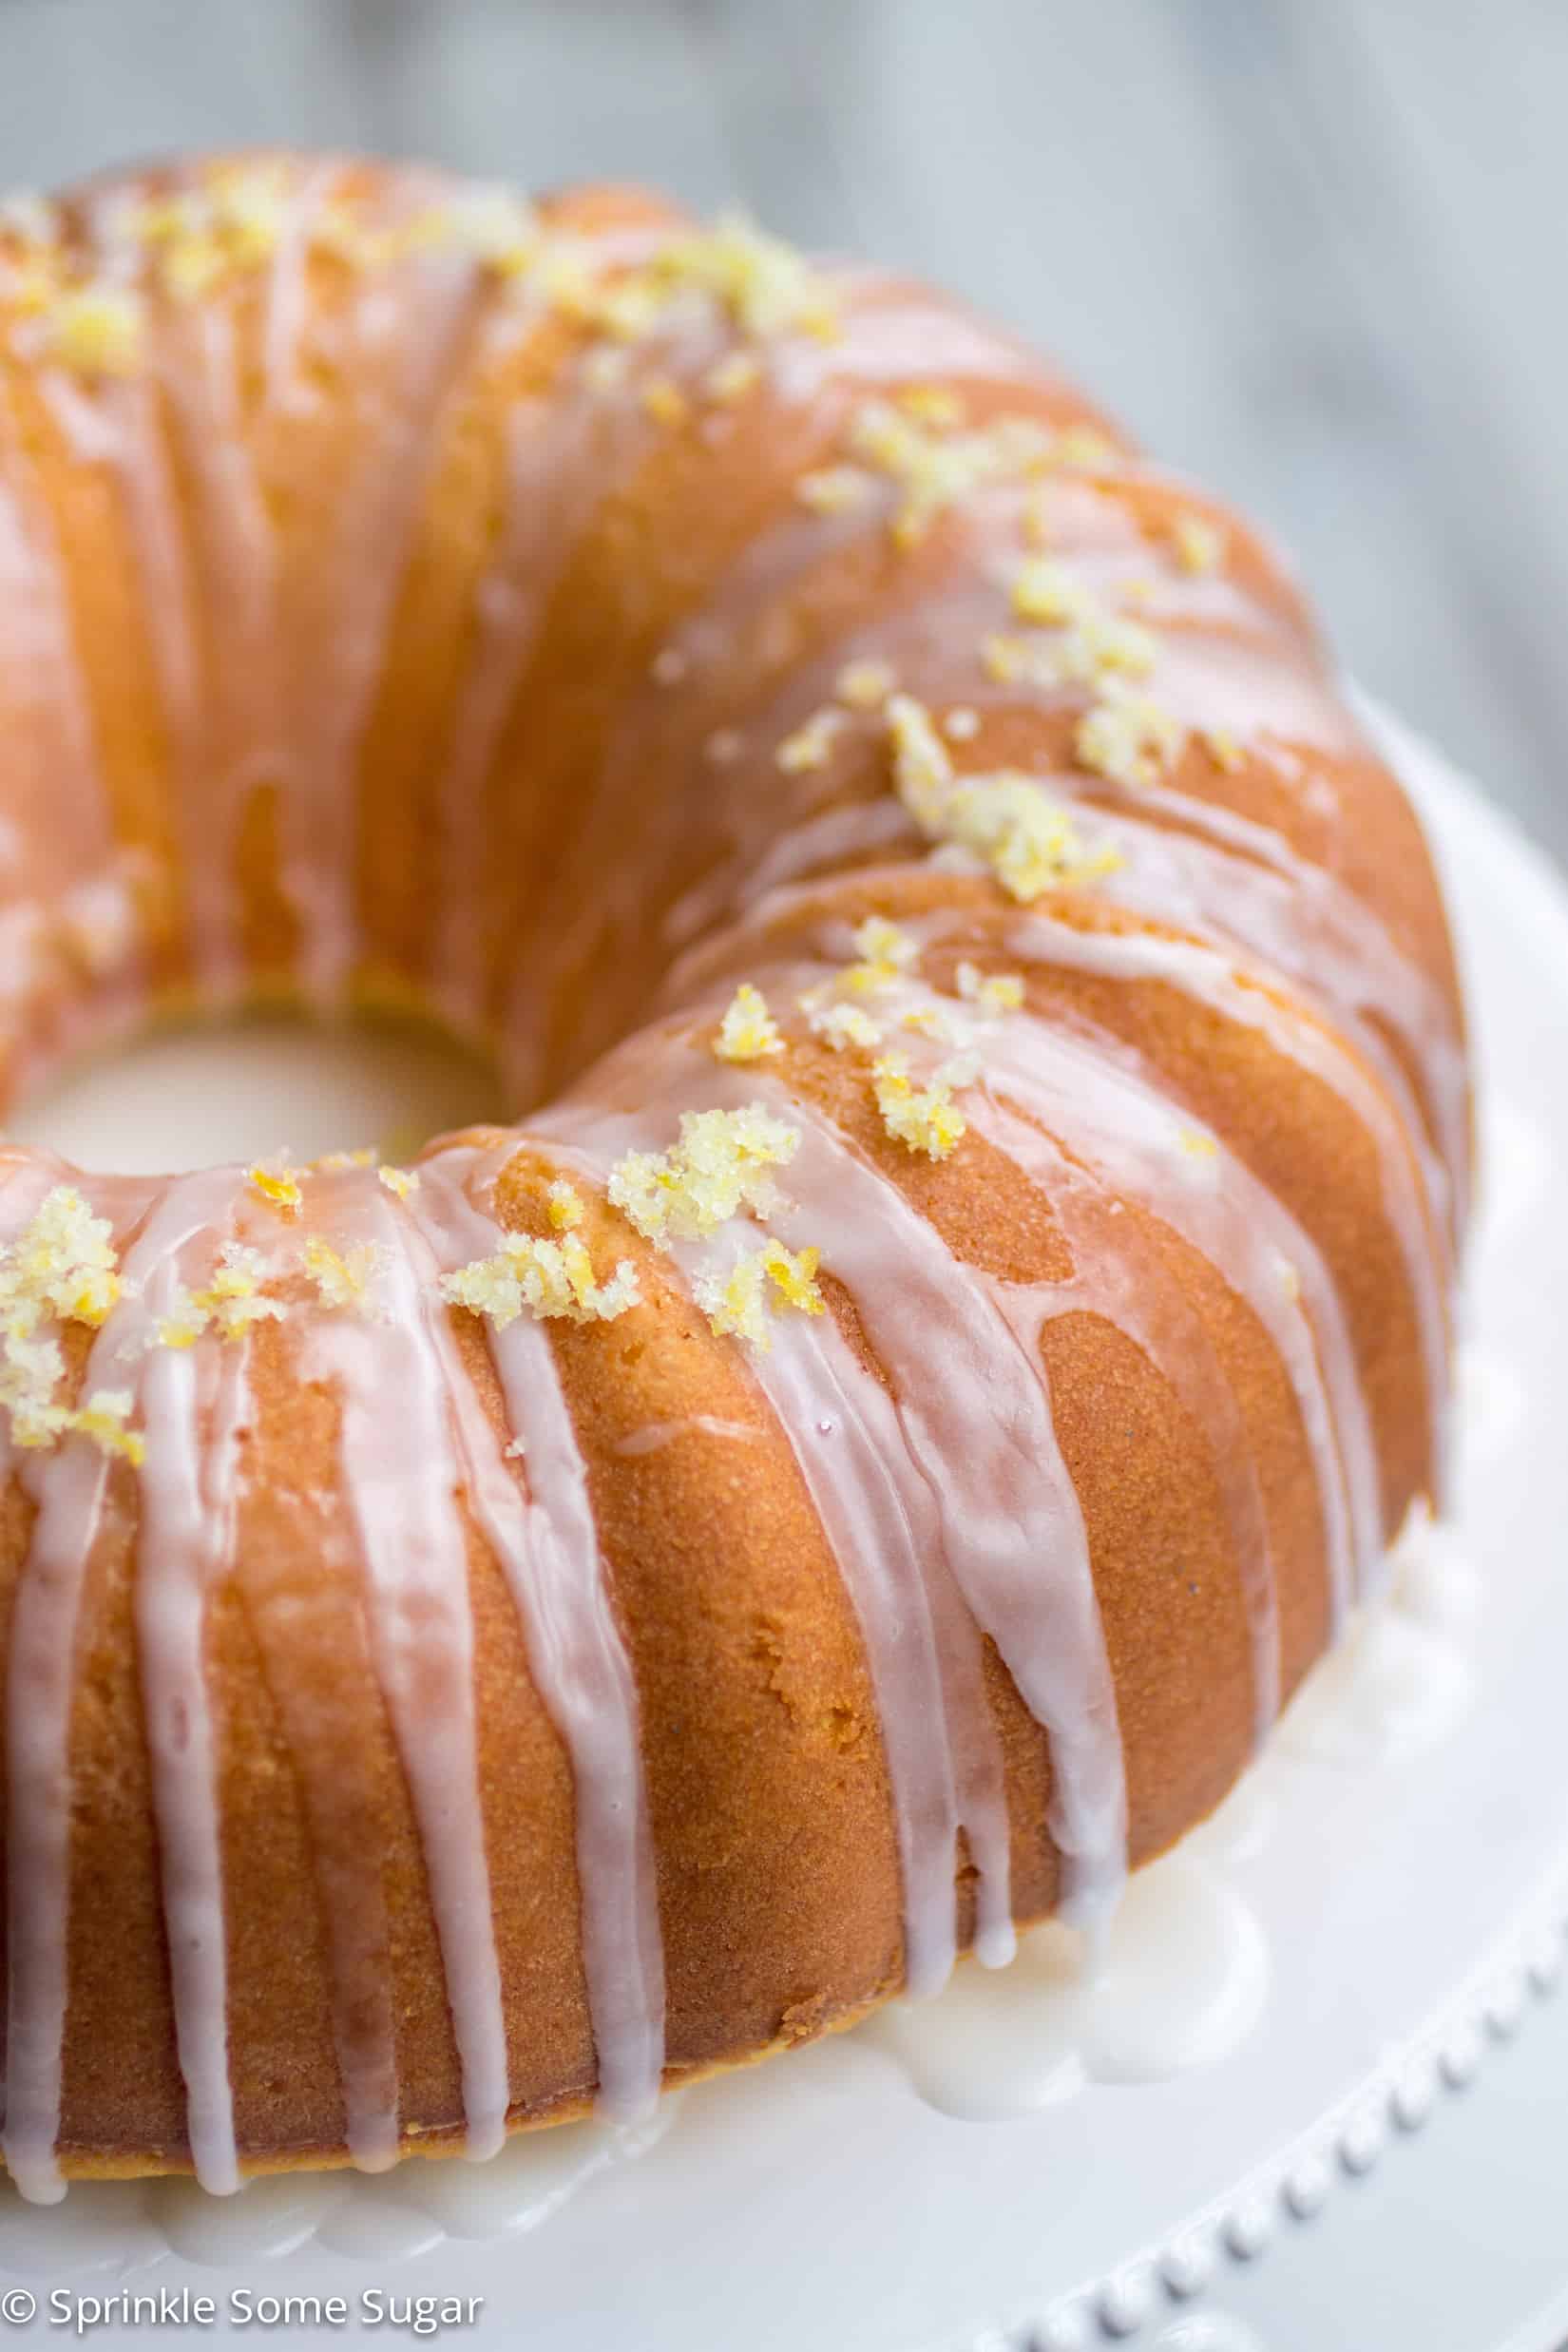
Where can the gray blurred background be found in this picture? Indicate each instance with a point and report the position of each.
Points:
(1312, 250)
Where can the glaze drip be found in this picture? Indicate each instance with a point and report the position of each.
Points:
(547, 1543)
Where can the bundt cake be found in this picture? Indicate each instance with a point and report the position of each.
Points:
(865, 1464)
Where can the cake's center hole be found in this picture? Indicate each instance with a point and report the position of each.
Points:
(256, 1084)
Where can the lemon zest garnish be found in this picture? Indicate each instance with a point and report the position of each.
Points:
(234, 221)
(1044, 590)
(923, 1119)
(1083, 449)
(342, 1277)
(233, 1300)
(103, 1418)
(628, 310)
(731, 378)
(833, 489)
(993, 993)
(549, 1279)
(1037, 516)
(500, 229)
(1199, 544)
(886, 953)
(936, 469)
(63, 1261)
(923, 767)
(738, 1302)
(1030, 842)
(723, 1163)
(1127, 737)
(605, 368)
(812, 744)
(60, 1268)
(564, 1206)
(748, 1031)
(277, 1185)
(935, 472)
(864, 685)
(931, 404)
(842, 1025)
(338, 231)
(1096, 648)
(663, 400)
(183, 1323)
(32, 285)
(97, 330)
(765, 285)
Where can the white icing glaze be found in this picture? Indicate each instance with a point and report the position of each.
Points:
(1241, 996)
(563, 460)
(393, 2218)
(69, 1486)
(233, 742)
(1091, 1094)
(548, 1549)
(1117, 1277)
(400, 1471)
(193, 1404)
(881, 1518)
(60, 834)
(1126, 1127)
(1009, 1525)
(285, 300)
(403, 356)
(1179, 1982)
(655, 1435)
(1403, 1673)
(942, 1757)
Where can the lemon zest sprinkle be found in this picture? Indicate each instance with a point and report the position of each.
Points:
(864, 685)
(276, 1185)
(343, 1277)
(97, 330)
(1199, 544)
(993, 993)
(812, 744)
(748, 1032)
(833, 489)
(723, 1162)
(923, 1119)
(547, 1279)
(564, 1206)
(739, 1302)
(1030, 841)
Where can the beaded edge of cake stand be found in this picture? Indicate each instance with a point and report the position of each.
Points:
(1290, 2190)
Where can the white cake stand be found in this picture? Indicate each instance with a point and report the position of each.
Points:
(1376, 2166)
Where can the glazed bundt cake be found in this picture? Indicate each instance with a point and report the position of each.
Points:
(865, 1464)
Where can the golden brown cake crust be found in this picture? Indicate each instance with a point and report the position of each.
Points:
(546, 848)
